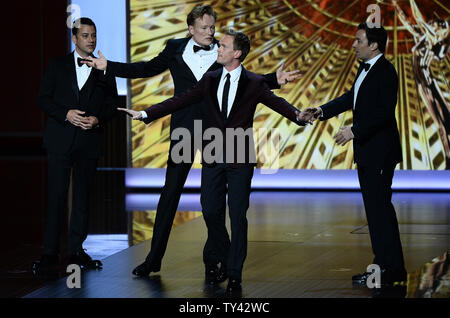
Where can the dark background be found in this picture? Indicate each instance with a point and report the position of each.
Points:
(33, 32)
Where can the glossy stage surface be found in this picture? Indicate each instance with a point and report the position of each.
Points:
(301, 244)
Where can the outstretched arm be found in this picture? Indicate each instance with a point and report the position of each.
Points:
(281, 106)
(151, 68)
(171, 105)
(337, 105)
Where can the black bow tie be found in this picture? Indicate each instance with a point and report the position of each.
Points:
(79, 60)
(366, 66)
(198, 48)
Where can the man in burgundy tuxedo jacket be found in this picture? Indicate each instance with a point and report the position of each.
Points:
(187, 59)
(230, 96)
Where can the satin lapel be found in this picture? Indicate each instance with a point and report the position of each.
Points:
(373, 70)
(360, 68)
(242, 85)
(215, 87)
(182, 63)
(70, 65)
(91, 82)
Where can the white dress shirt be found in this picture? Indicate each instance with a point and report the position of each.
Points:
(200, 61)
(362, 76)
(234, 81)
(82, 71)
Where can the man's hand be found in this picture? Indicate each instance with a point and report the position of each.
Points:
(89, 122)
(100, 64)
(74, 116)
(309, 115)
(316, 113)
(132, 113)
(303, 117)
(344, 135)
(284, 77)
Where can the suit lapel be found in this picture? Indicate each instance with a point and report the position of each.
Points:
(242, 85)
(91, 81)
(70, 65)
(373, 69)
(366, 81)
(215, 87)
(182, 63)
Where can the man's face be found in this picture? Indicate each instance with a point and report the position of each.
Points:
(226, 52)
(203, 30)
(361, 45)
(85, 40)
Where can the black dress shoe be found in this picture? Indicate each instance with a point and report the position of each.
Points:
(47, 264)
(221, 275)
(145, 269)
(360, 279)
(234, 287)
(211, 272)
(84, 260)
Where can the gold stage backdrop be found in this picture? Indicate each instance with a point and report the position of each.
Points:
(314, 36)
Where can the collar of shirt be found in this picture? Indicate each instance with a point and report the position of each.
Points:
(82, 72)
(190, 48)
(362, 76)
(373, 60)
(234, 74)
(76, 56)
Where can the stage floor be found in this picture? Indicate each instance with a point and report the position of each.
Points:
(301, 244)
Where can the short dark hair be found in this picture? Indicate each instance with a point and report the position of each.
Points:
(241, 42)
(199, 12)
(375, 35)
(80, 21)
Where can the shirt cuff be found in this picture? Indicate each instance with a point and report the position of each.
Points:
(144, 114)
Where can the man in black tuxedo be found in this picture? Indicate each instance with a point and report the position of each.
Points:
(187, 59)
(230, 96)
(78, 101)
(376, 146)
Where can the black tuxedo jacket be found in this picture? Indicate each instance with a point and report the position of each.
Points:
(172, 58)
(252, 89)
(59, 93)
(377, 142)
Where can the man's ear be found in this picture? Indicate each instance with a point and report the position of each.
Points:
(191, 30)
(373, 46)
(237, 54)
(74, 39)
